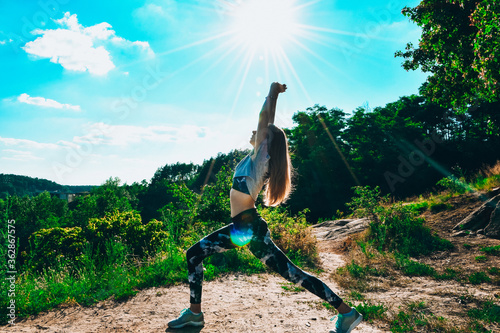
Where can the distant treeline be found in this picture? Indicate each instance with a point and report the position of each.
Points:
(24, 185)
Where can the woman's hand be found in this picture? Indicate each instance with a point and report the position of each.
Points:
(277, 88)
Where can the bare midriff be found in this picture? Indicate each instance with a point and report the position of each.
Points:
(240, 202)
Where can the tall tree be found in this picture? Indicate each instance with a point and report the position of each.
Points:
(460, 48)
(323, 175)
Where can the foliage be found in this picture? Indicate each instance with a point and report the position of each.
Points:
(416, 315)
(214, 203)
(69, 284)
(292, 234)
(395, 227)
(491, 250)
(22, 185)
(453, 184)
(32, 214)
(371, 312)
(50, 246)
(459, 47)
(488, 311)
(322, 177)
(414, 268)
(126, 227)
(479, 277)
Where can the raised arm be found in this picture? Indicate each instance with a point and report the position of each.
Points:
(268, 112)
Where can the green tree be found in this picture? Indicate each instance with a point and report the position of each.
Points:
(323, 176)
(102, 200)
(35, 213)
(459, 47)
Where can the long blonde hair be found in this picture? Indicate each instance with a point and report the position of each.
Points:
(279, 184)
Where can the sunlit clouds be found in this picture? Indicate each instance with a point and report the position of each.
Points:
(46, 102)
(79, 48)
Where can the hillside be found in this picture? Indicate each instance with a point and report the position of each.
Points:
(397, 301)
(23, 185)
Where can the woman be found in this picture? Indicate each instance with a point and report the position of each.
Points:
(268, 165)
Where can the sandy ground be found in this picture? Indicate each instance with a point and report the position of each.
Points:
(234, 303)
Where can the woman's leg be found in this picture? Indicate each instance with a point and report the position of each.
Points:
(264, 248)
(218, 241)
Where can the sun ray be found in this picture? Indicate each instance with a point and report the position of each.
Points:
(240, 87)
(324, 61)
(294, 73)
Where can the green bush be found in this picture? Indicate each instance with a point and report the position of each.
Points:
(358, 271)
(292, 234)
(126, 227)
(51, 245)
(454, 184)
(395, 227)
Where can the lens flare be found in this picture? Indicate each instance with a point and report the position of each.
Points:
(241, 236)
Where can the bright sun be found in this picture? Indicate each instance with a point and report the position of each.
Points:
(263, 25)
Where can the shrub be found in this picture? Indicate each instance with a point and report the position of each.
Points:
(48, 246)
(292, 234)
(396, 227)
(126, 227)
(454, 184)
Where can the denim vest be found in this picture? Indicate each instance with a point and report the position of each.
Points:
(254, 167)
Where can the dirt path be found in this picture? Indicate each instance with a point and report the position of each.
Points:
(234, 303)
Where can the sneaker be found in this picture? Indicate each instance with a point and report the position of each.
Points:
(347, 322)
(187, 318)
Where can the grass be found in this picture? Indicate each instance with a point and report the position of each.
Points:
(481, 258)
(411, 267)
(292, 288)
(478, 278)
(488, 177)
(371, 312)
(65, 284)
(487, 311)
(491, 250)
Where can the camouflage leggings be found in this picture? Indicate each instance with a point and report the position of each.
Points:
(249, 228)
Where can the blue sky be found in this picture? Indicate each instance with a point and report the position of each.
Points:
(97, 89)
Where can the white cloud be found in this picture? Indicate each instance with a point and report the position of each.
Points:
(20, 155)
(28, 144)
(80, 48)
(124, 135)
(45, 102)
(2, 42)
